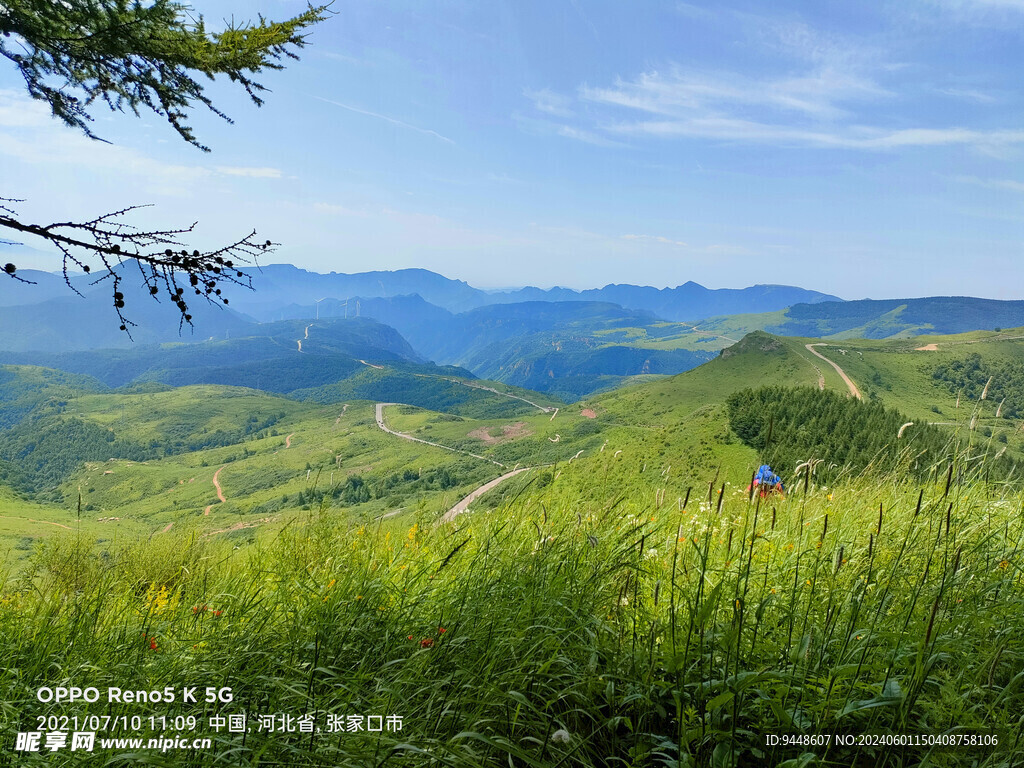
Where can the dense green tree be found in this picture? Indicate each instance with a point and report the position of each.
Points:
(139, 56)
(790, 425)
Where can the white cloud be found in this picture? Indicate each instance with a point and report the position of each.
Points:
(967, 94)
(856, 137)
(681, 93)
(250, 173)
(1007, 184)
(656, 239)
(549, 102)
(588, 137)
(392, 120)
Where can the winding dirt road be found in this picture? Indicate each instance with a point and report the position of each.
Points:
(383, 426)
(220, 491)
(849, 382)
(33, 520)
(463, 505)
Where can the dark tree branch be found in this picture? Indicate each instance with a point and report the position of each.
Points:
(167, 268)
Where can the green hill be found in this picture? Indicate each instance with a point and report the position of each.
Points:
(876, 319)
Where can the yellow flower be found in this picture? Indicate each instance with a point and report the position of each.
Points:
(1004, 564)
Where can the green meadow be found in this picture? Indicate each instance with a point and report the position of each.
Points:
(624, 601)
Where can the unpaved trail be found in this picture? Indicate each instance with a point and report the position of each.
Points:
(382, 425)
(287, 444)
(463, 505)
(343, 409)
(299, 342)
(698, 331)
(307, 330)
(849, 382)
(169, 526)
(220, 491)
(541, 408)
(33, 520)
(378, 367)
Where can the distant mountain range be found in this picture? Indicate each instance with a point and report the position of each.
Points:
(278, 285)
(564, 342)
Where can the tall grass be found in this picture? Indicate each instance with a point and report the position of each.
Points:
(556, 631)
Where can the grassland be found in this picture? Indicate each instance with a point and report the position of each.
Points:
(627, 628)
(625, 602)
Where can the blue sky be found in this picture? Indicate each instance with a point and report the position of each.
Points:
(863, 149)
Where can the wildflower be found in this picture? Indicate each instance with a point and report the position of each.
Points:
(426, 642)
(410, 637)
(152, 643)
(217, 614)
(561, 736)
(441, 630)
(1004, 564)
(331, 583)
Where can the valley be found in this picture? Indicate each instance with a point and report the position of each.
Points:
(374, 510)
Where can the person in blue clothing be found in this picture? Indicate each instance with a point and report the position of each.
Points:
(766, 482)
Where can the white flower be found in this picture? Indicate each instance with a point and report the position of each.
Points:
(561, 736)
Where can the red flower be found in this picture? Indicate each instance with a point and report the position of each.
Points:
(441, 630)
(152, 643)
(426, 642)
(217, 613)
(410, 637)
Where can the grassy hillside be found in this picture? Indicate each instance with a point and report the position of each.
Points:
(560, 631)
(876, 319)
(146, 459)
(625, 600)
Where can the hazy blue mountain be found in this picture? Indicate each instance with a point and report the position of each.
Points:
(554, 347)
(689, 301)
(278, 286)
(35, 286)
(68, 321)
(263, 356)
